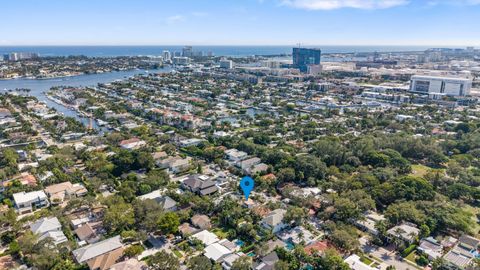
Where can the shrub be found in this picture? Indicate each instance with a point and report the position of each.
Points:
(408, 250)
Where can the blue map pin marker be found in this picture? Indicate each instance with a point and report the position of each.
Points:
(247, 184)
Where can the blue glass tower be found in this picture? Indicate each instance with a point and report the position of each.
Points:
(304, 57)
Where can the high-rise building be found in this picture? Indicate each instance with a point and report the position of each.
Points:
(436, 87)
(303, 57)
(225, 63)
(181, 60)
(187, 51)
(166, 56)
(15, 56)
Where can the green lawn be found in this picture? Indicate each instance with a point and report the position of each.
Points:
(366, 260)
(412, 256)
(177, 253)
(419, 170)
(410, 259)
(474, 211)
(220, 233)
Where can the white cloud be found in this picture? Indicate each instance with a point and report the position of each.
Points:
(336, 4)
(175, 19)
(454, 2)
(199, 14)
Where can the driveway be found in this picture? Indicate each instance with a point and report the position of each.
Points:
(386, 256)
(158, 244)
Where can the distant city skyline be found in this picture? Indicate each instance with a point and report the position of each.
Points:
(241, 22)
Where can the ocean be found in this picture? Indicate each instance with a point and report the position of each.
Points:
(234, 51)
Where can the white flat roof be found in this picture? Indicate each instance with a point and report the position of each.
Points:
(23, 197)
(215, 251)
(429, 77)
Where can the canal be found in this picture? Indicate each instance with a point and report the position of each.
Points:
(38, 87)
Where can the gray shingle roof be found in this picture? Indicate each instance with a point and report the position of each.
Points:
(45, 225)
(94, 250)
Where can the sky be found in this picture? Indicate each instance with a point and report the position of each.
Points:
(240, 22)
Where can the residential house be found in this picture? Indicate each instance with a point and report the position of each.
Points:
(216, 251)
(220, 134)
(4, 113)
(58, 192)
(317, 247)
(431, 248)
(130, 264)
(201, 221)
(296, 236)
(187, 229)
(248, 163)
(258, 168)
(206, 237)
(133, 143)
(267, 262)
(190, 142)
(368, 222)
(86, 234)
(101, 255)
(49, 228)
(200, 184)
(408, 232)
(228, 260)
(355, 263)
(159, 155)
(174, 164)
(168, 204)
(273, 244)
(26, 201)
(274, 220)
(464, 252)
(469, 243)
(459, 257)
(235, 155)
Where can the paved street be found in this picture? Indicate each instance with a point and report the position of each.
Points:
(383, 254)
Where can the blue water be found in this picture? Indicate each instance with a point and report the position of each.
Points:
(290, 246)
(239, 243)
(110, 51)
(38, 87)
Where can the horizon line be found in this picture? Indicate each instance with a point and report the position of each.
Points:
(230, 45)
